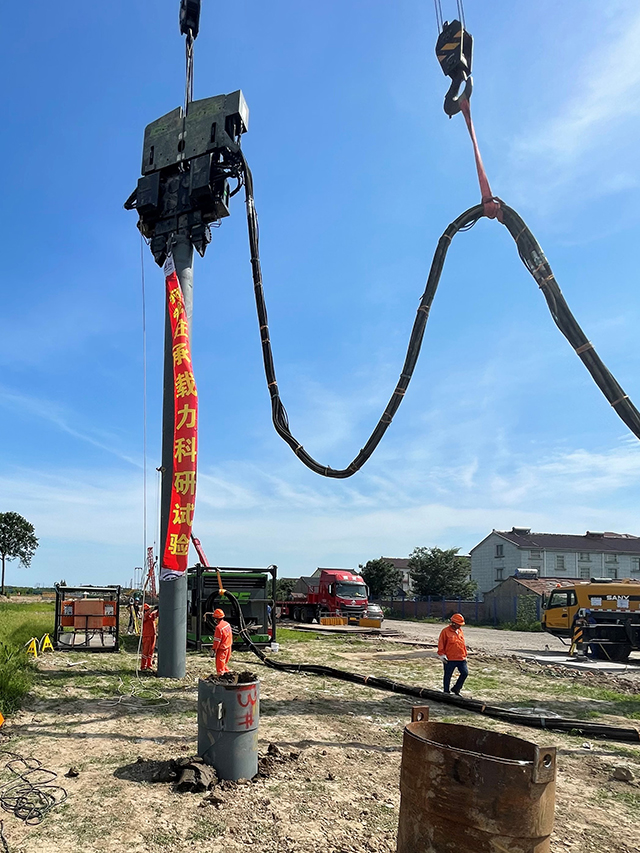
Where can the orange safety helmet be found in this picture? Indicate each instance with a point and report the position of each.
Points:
(458, 618)
(146, 606)
(218, 613)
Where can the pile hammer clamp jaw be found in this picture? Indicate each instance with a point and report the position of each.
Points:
(190, 18)
(187, 161)
(454, 50)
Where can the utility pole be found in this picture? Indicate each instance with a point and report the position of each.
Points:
(188, 157)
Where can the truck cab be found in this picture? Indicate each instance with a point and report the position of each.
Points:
(344, 593)
(559, 612)
(328, 592)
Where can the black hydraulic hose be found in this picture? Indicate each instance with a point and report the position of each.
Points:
(534, 259)
(560, 724)
(278, 411)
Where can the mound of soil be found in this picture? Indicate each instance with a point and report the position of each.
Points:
(244, 677)
(188, 774)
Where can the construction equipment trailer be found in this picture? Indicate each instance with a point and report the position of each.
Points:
(87, 618)
(601, 616)
(328, 592)
(249, 587)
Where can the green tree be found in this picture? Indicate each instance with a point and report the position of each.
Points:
(17, 540)
(381, 576)
(442, 573)
(527, 612)
(284, 588)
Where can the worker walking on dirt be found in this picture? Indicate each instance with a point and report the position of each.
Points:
(452, 651)
(149, 636)
(222, 641)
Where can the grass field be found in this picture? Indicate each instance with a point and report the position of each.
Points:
(18, 624)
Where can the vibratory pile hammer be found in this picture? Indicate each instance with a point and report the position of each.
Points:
(187, 160)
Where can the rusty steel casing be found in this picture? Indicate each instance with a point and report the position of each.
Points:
(467, 790)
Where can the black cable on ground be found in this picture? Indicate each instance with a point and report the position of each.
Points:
(3, 840)
(559, 724)
(534, 259)
(30, 794)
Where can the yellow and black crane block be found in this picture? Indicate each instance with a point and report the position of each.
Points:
(454, 50)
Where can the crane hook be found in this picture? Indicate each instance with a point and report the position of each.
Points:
(454, 50)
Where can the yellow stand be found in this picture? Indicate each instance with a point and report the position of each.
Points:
(32, 647)
(45, 644)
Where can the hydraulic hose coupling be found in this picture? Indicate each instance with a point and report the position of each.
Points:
(221, 589)
(454, 50)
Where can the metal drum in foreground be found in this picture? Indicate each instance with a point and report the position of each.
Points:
(468, 790)
(228, 717)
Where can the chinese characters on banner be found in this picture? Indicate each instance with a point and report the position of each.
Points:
(185, 435)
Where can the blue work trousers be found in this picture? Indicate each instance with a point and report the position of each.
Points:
(449, 667)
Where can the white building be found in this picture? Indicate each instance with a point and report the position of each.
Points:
(501, 553)
(406, 584)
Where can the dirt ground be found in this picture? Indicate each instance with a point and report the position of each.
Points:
(334, 786)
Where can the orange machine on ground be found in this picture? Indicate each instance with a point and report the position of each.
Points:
(87, 618)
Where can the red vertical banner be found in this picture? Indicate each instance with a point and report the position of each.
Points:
(185, 434)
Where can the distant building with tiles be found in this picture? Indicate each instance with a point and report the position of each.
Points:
(554, 555)
(501, 604)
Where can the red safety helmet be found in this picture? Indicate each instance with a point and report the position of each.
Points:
(146, 606)
(218, 613)
(458, 618)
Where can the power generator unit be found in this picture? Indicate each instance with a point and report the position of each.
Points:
(87, 618)
(250, 586)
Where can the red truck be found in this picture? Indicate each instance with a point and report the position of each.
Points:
(328, 592)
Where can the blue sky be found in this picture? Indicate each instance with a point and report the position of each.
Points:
(357, 173)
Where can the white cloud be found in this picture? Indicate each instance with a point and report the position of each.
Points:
(84, 507)
(90, 524)
(450, 469)
(565, 492)
(60, 417)
(587, 144)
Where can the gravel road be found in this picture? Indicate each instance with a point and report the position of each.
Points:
(481, 639)
(494, 642)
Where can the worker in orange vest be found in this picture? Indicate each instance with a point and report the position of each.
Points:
(222, 641)
(149, 636)
(452, 651)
